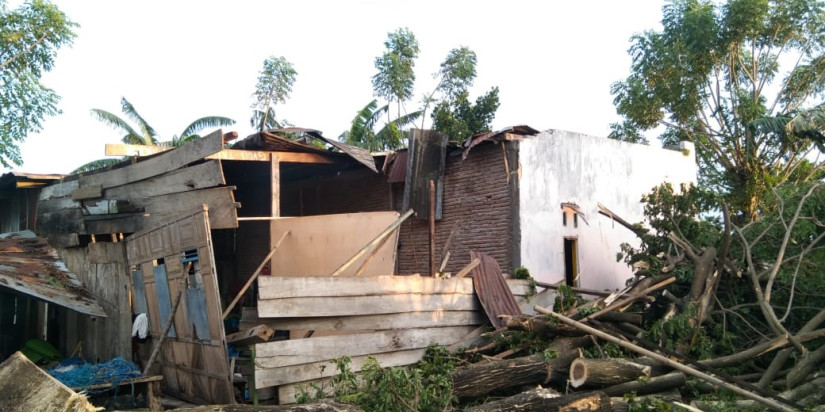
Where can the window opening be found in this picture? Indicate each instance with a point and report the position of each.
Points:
(571, 269)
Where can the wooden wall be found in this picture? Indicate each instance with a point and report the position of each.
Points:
(102, 269)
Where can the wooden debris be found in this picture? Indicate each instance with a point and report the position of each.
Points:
(545, 400)
(258, 334)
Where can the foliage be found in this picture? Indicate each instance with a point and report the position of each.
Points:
(30, 37)
(524, 274)
(708, 76)
(396, 78)
(144, 133)
(274, 85)
(390, 137)
(425, 386)
(566, 299)
(459, 119)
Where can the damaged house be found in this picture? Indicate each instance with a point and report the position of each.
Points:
(179, 234)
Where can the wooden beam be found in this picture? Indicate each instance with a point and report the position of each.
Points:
(87, 192)
(323, 369)
(253, 277)
(165, 162)
(266, 156)
(391, 228)
(120, 149)
(275, 186)
(406, 320)
(201, 176)
(279, 287)
(298, 351)
(364, 305)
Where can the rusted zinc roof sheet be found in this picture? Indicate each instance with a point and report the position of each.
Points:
(475, 140)
(492, 290)
(28, 264)
(275, 140)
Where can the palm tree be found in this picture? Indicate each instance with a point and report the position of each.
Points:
(144, 133)
(362, 132)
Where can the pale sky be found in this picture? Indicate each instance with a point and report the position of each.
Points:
(176, 61)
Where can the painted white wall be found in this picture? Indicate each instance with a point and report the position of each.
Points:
(558, 167)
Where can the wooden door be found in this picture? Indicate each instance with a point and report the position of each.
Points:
(174, 261)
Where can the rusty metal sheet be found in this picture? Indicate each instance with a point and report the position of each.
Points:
(28, 264)
(475, 140)
(426, 161)
(492, 290)
(275, 140)
(395, 167)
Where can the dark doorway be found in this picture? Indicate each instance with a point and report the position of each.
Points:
(571, 267)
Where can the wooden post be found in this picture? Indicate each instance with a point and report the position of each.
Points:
(275, 185)
(253, 277)
(373, 243)
(432, 228)
(667, 361)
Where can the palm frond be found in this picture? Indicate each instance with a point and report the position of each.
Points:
(261, 122)
(149, 133)
(115, 122)
(204, 123)
(807, 121)
(98, 164)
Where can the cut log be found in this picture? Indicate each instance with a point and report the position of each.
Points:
(528, 370)
(541, 326)
(621, 404)
(546, 400)
(653, 385)
(319, 406)
(26, 387)
(605, 372)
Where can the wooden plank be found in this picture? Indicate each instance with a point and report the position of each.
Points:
(407, 320)
(88, 192)
(363, 305)
(275, 187)
(257, 334)
(326, 368)
(159, 209)
(265, 156)
(61, 189)
(492, 290)
(277, 287)
(339, 237)
(300, 351)
(120, 149)
(163, 163)
(142, 379)
(201, 176)
(61, 222)
(288, 394)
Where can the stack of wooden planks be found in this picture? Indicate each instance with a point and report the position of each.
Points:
(391, 318)
(138, 196)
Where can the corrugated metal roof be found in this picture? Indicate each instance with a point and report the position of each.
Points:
(275, 140)
(28, 264)
(520, 130)
(16, 180)
(492, 290)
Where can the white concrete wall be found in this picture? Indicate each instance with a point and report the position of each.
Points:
(564, 167)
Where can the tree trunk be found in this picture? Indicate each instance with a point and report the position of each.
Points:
(605, 372)
(545, 400)
(809, 362)
(620, 404)
(653, 385)
(529, 370)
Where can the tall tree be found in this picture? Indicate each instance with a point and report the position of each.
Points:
(29, 39)
(274, 85)
(395, 79)
(714, 75)
(459, 118)
(456, 75)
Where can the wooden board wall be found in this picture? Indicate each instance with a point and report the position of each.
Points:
(193, 362)
(392, 318)
(318, 245)
(103, 270)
